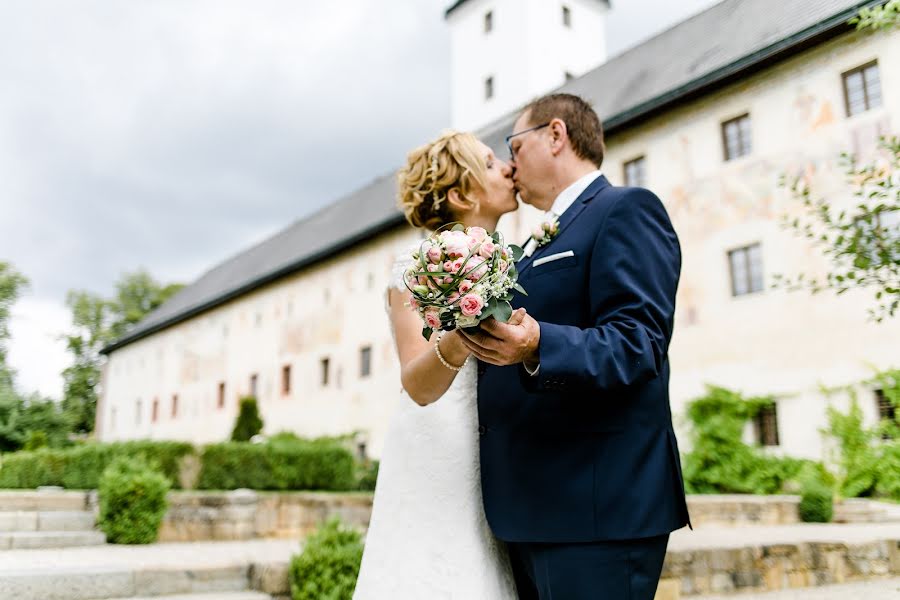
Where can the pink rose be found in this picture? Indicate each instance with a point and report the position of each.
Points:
(476, 268)
(487, 249)
(413, 303)
(478, 233)
(465, 286)
(453, 297)
(448, 279)
(434, 268)
(471, 305)
(434, 254)
(433, 318)
(538, 232)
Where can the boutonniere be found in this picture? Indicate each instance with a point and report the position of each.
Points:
(542, 234)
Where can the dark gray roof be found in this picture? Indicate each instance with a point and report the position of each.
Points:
(714, 48)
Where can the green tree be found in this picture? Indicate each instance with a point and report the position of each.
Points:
(12, 284)
(96, 322)
(862, 243)
(885, 16)
(248, 422)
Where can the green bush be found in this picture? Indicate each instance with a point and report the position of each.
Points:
(816, 502)
(35, 440)
(284, 465)
(367, 475)
(719, 461)
(248, 421)
(132, 501)
(328, 566)
(80, 467)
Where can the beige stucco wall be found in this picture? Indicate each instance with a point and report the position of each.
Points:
(771, 342)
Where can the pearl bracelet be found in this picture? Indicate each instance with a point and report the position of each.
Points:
(437, 350)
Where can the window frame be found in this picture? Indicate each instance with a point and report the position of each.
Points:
(738, 121)
(748, 264)
(861, 70)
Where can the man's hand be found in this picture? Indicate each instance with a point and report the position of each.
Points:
(508, 343)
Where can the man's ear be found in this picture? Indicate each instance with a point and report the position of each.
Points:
(559, 135)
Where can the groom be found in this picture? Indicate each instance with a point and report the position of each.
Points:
(579, 461)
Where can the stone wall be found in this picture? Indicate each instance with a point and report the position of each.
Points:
(246, 514)
(724, 510)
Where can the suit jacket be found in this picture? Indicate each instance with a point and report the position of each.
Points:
(585, 450)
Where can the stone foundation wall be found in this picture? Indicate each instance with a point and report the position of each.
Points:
(246, 514)
(737, 510)
(775, 567)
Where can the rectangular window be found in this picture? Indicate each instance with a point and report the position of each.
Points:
(174, 405)
(489, 21)
(286, 379)
(566, 16)
(154, 414)
(138, 409)
(862, 88)
(635, 172)
(488, 88)
(365, 361)
(221, 394)
(736, 137)
(766, 426)
(886, 410)
(254, 380)
(746, 270)
(324, 366)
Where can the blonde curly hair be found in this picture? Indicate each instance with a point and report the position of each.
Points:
(451, 161)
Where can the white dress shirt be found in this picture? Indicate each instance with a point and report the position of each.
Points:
(566, 199)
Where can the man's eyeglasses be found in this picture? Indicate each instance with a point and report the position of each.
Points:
(512, 153)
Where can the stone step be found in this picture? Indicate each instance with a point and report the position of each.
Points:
(99, 583)
(44, 500)
(30, 540)
(47, 520)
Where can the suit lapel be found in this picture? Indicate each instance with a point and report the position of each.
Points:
(567, 218)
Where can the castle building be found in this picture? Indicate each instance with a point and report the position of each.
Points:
(708, 114)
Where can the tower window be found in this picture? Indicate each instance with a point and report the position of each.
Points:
(566, 16)
(286, 379)
(489, 21)
(488, 88)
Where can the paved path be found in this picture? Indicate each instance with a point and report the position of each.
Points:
(739, 537)
(886, 589)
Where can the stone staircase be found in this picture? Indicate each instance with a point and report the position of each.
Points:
(48, 518)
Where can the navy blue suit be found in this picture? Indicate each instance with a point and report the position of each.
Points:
(583, 455)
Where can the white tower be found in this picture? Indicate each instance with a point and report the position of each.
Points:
(506, 52)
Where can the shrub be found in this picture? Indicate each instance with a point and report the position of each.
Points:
(285, 465)
(367, 475)
(248, 421)
(328, 566)
(80, 467)
(35, 440)
(816, 502)
(132, 501)
(719, 461)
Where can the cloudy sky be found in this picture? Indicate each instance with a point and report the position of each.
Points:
(170, 134)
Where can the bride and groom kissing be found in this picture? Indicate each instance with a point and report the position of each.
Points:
(535, 458)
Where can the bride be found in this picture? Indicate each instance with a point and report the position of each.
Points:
(428, 536)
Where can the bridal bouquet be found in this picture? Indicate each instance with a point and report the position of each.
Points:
(460, 277)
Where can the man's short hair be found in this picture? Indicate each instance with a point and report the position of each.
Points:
(582, 123)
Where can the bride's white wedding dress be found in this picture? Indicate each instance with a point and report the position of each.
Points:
(428, 537)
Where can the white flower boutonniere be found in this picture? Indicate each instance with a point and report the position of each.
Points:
(542, 234)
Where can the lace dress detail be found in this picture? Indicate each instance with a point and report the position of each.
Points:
(428, 536)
